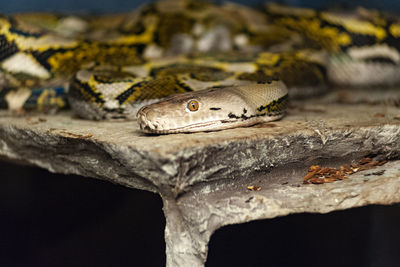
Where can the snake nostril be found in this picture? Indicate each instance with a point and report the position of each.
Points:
(142, 110)
(148, 119)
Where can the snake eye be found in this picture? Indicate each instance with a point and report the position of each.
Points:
(193, 105)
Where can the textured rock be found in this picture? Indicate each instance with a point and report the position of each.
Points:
(203, 177)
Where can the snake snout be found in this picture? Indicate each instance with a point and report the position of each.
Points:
(148, 120)
(144, 118)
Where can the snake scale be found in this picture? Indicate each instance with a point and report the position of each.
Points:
(188, 66)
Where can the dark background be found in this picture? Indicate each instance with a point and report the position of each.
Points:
(58, 220)
(49, 220)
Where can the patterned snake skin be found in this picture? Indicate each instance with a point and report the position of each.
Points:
(224, 65)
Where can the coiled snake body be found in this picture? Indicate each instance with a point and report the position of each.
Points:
(225, 66)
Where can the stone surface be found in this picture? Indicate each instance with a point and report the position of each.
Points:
(281, 192)
(203, 177)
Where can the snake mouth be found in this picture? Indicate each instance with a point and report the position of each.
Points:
(156, 128)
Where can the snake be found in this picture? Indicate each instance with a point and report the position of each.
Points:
(183, 66)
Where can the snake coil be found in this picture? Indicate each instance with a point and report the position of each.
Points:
(189, 66)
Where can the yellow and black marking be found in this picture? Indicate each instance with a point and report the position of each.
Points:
(113, 77)
(331, 32)
(137, 90)
(44, 99)
(198, 72)
(40, 99)
(293, 68)
(68, 61)
(275, 107)
(153, 89)
(394, 29)
(319, 34)
(82, 90)
(226, 57)
(7, 48)
(393, 39)
(259, 77)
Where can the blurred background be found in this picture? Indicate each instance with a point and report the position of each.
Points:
(64, 220)
(124, 5)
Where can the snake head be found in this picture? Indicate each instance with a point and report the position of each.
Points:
(188, 112)
(211, 109)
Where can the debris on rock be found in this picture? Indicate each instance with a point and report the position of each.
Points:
(321, 175)
(253, 188)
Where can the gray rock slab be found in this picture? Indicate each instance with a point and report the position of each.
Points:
(203, 177)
